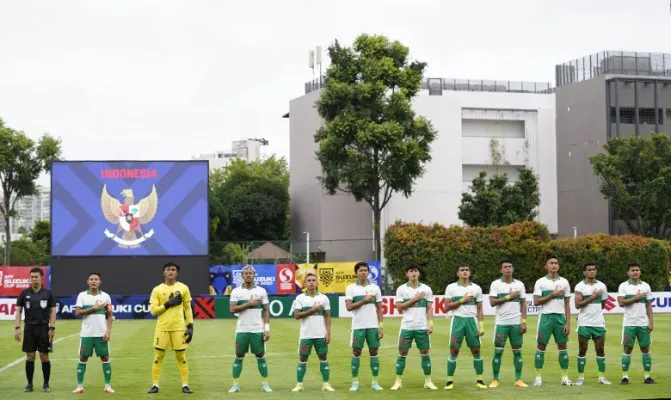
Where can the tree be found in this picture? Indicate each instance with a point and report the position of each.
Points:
(41, 233)
(372, 144)
(635, 176)
(250, 201)
(498, 203)
(21, 163)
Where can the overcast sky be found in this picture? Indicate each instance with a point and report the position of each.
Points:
(169, 79)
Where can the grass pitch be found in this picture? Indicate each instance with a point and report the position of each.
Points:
(211, 354)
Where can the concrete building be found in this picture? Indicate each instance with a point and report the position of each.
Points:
(604, 95)
(475, 120)
(249, 150)
(30, 209)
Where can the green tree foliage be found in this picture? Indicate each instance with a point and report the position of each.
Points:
(498, 203)
(635, 176)
(250, 201)
(228, 254)
(25, 252)
(372, 144)
(41, 233)
(526, 244)
(22, 160)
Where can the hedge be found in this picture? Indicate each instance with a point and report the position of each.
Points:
(439, 250)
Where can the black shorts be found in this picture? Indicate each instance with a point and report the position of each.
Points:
(36, 338)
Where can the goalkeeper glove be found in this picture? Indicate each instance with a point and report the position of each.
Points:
(177, 300)
(189, 333)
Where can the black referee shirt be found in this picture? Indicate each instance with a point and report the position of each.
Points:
(36, 305)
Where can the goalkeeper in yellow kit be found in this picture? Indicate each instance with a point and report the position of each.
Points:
(171, 303)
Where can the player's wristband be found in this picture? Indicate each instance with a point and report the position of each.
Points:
(461, 301)
(431, 323)
(508, 297)
(266, 327)
(481, 325)
(380, 325)
(524, 321)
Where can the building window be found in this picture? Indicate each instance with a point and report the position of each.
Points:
(645, 115)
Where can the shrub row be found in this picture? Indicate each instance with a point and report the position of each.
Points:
(527, 244)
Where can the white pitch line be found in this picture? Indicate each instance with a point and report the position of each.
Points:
(18, 360)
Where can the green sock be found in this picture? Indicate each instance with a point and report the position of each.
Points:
(426, 364)
(478, 364)
(237, 367)
(517, 361)
(356, 361)
(263, 366)
(563, 359)
(581, 365)
(107, 372)
(540, 359)
(496, 362)
(374, 366)
(601, 362)
(81, 370)
(647, 362)
(325, 370)
(626, 361)
(400, 365)
(300, 374)
(451, 365)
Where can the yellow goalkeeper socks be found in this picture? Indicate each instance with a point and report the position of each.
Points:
(157, 368)
(183, 367)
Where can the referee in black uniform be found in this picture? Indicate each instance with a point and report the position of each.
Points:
(40, 320)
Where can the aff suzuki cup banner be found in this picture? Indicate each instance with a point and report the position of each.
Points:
(137, 208)
(124, 307)
(14, 280)
(661, 303)
(275, 278)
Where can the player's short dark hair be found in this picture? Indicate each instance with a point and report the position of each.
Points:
(309, 274)
(550, 257)
(633, 265)
(460, 266)
(38, 271)
(588, 264)
(95, 273)
(359, 265)
(505, 261)
(170, 264)
(413, 266)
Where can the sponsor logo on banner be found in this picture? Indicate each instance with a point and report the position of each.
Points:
(8, 309)
(266, 276)
(335, 277)
(13, 280)
(286, 279)
(123, 307)
(661, 303)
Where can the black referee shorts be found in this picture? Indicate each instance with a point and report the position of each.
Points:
(36, 338)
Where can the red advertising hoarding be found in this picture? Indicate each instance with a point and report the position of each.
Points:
(13, 280)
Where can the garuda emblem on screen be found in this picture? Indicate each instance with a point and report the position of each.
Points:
(129, 216)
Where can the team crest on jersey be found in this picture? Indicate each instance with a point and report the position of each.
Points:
(43, 303)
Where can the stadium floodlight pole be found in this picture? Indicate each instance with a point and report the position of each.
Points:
(575, 231)
(307, 244)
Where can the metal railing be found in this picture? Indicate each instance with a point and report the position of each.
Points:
(437, 85)
(613, 63)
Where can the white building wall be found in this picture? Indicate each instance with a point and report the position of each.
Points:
(523, 125)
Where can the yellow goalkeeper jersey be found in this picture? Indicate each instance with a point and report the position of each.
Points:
(174, 318)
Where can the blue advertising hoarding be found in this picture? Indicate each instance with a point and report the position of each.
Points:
(124, 307)
(136, 208)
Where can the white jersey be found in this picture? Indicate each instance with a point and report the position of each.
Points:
(93, 325)
(312, 327)
(366, 316)
(635, 314)
(592, 314)
(544, 286)
(454, 292)
(508, 313)
(414, 317)
(250, 320)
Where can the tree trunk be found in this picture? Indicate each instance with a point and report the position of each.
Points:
(376, 228)
(8, 239)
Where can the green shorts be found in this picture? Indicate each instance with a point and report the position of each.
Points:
(551, 325)
(87, 344)
(632, 333)
(591, 332)
(461, 327)
(504, 332)
(369, 336)
(305, 347)
(421, 338)
(246, 341)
